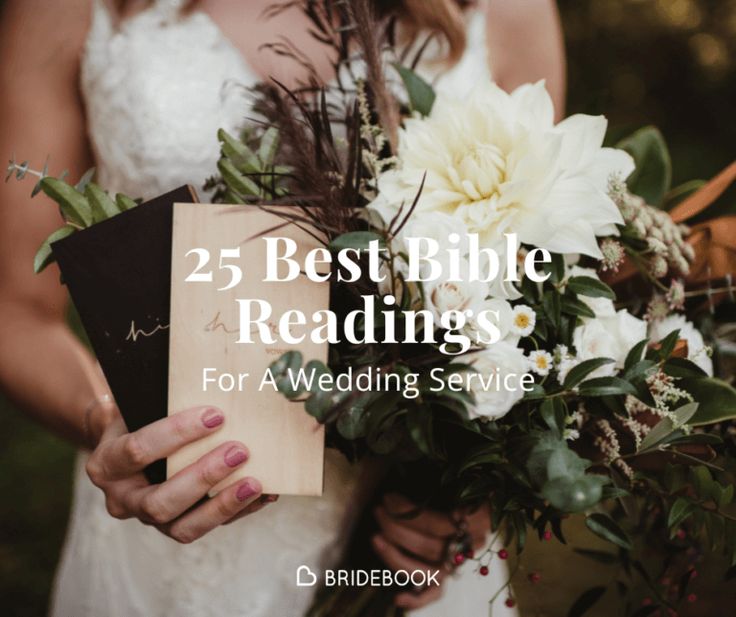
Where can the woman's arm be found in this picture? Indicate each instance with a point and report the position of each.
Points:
(43, 367)
(526, 44)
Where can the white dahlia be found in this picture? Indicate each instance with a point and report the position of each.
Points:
(498, 163)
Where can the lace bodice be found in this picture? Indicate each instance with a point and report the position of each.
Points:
(156, 88)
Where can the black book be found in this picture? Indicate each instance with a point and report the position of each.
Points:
(118, 273)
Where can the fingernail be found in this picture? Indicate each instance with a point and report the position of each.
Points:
(235, 456)
(248, 489)
(272, 498)
(212, 418)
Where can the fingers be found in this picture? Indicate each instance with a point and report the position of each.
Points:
(129, 453)
(413, 601)
(397, 560)
(259, 504)
(164, 502)
(427, 522)
(227, 504)
(428, 548)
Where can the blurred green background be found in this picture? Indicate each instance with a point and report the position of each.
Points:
(664, 62)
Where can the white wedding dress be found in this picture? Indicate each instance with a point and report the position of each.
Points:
(156, 89)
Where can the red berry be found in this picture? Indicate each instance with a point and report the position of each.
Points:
(692, 597)
(547, 535)
(646, 602)
(458, 559)
(535, 577)
(681, 534)
(503, 554)
(693, 573)
(483, 570)
(510, 602)
(470, 553)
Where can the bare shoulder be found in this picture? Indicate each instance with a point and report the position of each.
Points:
(521, 12)
(526, 44)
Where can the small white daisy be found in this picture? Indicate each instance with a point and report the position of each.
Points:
(540, 362)
(524, 320)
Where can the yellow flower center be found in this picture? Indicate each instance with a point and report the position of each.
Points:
(521, 321)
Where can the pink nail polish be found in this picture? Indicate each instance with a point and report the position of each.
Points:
(247, 490)
(212, 418)
(235, 456)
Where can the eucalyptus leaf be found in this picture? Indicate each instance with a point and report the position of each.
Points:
(74, 205)
(44, 255)
(421, 95)
(236, 180)
(668, 425)
(269, 146)
(103, 207)
(124, 202)
(359, 240)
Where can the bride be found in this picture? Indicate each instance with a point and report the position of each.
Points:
(138, 89)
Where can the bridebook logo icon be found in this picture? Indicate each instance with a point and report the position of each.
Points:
(305, 577)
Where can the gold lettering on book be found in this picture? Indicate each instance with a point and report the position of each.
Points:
(218, 324)
(134, 332)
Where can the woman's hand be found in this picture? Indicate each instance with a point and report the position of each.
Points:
(420, 542)
(175, 507)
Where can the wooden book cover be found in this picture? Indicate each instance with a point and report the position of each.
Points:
(118, 273)
(286, 444)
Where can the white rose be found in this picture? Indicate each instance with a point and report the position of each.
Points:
(507, 364)
(504, 322)
(441, 296)
(697, 351)
(608, 337)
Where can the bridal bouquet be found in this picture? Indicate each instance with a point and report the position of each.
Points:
(511, 306)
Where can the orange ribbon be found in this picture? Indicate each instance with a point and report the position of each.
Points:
(714, 241)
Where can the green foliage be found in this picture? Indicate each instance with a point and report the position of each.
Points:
(421, 94)
(717, 400)
(653, 174)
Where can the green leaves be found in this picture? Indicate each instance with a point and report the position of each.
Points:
(653, 174)
(359, 240)
(586, 601)
(666, 426)
(590, 287)
(606, 386)
(680, 510)
(605, 527)
(717, 400)
(421, 94)
(582, 370)
(101, 204)
(74, 205)
(560, 473)
(44, 256)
